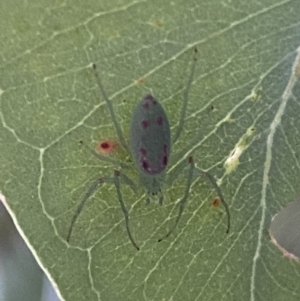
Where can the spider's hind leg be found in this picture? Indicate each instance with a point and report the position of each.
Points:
(193, 172)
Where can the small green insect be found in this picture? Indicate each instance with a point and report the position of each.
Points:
(150, 149)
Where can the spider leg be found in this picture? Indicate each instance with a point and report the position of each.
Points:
(174, 173)
(115, 180)
(183, 201)
(185, 99)
(91, 190)
(126, 180)
(198, 172)
(124, 209)
(193, 172)
(111, 110)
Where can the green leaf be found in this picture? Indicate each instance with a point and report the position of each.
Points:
(241, 125)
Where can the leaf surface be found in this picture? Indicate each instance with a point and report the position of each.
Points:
(239, 127)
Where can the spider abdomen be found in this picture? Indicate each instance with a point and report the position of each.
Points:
(150, 139)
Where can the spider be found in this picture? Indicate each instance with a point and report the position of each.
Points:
(150, 149)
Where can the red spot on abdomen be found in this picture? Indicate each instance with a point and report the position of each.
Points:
(143, 151)
(145, 124)
(165, 156)
(145, 165)
(160, 120)
(148, 100)
(146, 105)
